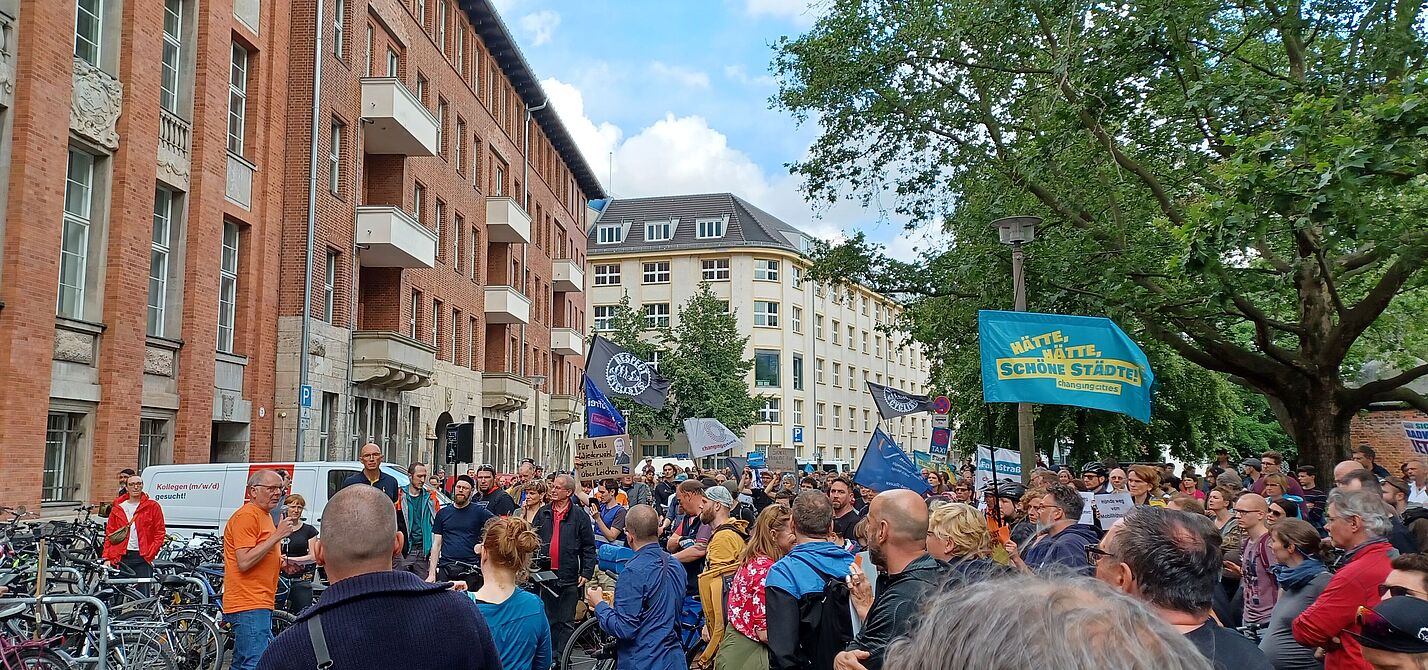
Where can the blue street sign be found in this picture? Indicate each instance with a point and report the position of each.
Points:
(305, 395)
(798, 434)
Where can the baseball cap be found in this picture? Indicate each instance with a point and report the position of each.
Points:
(1250, 463)
(720, 495)
(1399, 624)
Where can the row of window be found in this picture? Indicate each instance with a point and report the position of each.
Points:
(711, 269)
(771, 412)
(767, 365)
(660, 231)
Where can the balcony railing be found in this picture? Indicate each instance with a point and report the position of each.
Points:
(173, 132)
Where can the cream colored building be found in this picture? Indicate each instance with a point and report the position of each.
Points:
(814, 346)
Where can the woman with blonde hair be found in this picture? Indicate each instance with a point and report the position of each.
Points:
(957, 535)
(534, 495)
(744, 645)
(515, 616)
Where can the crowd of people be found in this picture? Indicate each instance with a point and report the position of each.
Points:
(1245, 568)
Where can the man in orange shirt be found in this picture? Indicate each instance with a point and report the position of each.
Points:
(251, 561)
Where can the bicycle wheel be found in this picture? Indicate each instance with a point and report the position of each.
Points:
(37, 658)
(143, 651)
(589, 648)
(282, 621)
(196, 640)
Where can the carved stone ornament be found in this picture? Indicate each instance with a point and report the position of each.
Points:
(74, 347)
(173, 169)
(158, 361)
(95, 104)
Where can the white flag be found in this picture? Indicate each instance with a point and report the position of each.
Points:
(708, 437)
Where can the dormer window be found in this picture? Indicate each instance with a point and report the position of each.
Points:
(609, 233)
(710, 228)
(658, 231)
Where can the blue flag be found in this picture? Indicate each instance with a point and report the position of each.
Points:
(886, 467)
(601, 417)
(1053, 359)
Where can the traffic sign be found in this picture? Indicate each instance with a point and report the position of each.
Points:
(942, 404)
(305, 396)
(798, 434)
(941, 421)
(941, 437)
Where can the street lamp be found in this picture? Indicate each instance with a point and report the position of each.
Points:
(538, 381)
(1016, 231)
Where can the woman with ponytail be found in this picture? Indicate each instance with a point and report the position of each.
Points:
(515, 616)
(1302, 576)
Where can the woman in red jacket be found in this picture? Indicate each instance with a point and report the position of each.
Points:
(134, 549)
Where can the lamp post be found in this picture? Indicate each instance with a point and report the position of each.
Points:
(1016, 231)
(538, 381)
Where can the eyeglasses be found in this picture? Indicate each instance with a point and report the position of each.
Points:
(367, 456)
(1094, 552)
(1400, 591)
(1237, 511)
(1372, 624)
(270, 487)
(1275, 513)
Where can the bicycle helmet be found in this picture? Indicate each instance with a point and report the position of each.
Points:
(1096, 468)
(1010, 490)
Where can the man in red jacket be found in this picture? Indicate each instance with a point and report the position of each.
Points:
(134, 549)
(1357, 522)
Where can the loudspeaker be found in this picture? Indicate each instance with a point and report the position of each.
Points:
(460, 440)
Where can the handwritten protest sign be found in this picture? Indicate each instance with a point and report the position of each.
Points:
(1088, 512)
(780, 459)
(1112, 506)
(599, 458)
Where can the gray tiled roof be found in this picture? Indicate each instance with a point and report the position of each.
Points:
(748, 226)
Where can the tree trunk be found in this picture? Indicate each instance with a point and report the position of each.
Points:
(1318, 422)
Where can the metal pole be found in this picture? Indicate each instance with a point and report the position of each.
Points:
(306, 339)
(1026, 428)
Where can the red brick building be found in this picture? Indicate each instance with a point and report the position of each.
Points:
(154, 245)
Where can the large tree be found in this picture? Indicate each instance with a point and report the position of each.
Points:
(1246, 184)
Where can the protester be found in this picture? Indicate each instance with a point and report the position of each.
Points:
(1042, 478)
(1392, 634)
(525, 472)
(455, 534)
(1064, 476)
(515, 616)
(690, 541)
(1065, 540)
(664, 489)
(1272, 485)
(372, 474)
(418, 506)
(1409, 577)
(1256, 559)
(489, 493)
(534, 495)
(1143, 481)
(1190, 486)
(845, 515)
(1219, 505)
(645, 618)
(1301, 573)
(1272, 463)
(1184, 503)
(636, 492)
(1171, 560)
(1415, 472)
(1357, 522)
(1366, 457)
(1117, 480)
(1282, 507)
(134, 531)
(743, 646)
(250, 568)
(299, 563)
(726, 545)
(373, 617)
(1360, 479)
(962, 492)
(567, 538)
(123, 478)
(1094, 476)
(807, 608)
(607, 514)
(1025, 622)
(1250, 471)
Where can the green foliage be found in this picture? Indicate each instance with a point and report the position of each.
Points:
(707, 366)
(1244, 185)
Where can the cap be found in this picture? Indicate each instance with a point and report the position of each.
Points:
(681, 477)
(466, 478)
(1250, 463)
(1399, 624)
(720, 495)
(1095, 468)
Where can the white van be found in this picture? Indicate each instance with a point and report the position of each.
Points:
(199, 497)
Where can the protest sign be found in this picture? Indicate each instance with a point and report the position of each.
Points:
(780, 459)
(1417, 432)
(602, 457)
(1008, 465)
(757, 460)
(1112, 506)
(1088, 512)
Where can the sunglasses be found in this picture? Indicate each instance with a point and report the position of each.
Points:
(1400, 592)
(1372, 624)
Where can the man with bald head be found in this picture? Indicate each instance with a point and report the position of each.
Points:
(897, 543)
(369, 601)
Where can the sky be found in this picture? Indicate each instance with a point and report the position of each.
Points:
(668, 97)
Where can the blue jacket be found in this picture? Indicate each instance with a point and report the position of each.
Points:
(386, 620)
(1066, 549)
(521, 630)
(806, 626)
(645, 618)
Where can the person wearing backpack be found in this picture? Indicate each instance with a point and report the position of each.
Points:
(806, 594)
(725, 546)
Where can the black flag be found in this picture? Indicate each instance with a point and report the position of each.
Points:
(618, 372)
(894, 403)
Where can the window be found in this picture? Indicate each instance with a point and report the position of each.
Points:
(797, 412)
(863, 304)
(604, 317)
(709, 228)
(852, 377)
(867, 421)
(438, 334)
(458, 157)
(441, 125)
(418, 195)
(159, 251)
(415, 317)
(393, 62)
(63, 458)
(88, 22)
(170, 61)
(653, 360)
(153, 436)
(421, 13)
(765, 314)
(818, 326)
(818, 414)
(765, 269)
(837, 417)
(797, 277)
(850, 337)
(74, 245)
(458, 242)
(796, 316)
(227, 286)
(441, 25)
(865, 341)
(334, 157)
(766, 368)
(237, 99)
(329, 286)
(818, 370)
(328, 421)
(440, 229)
(658, 231)
(769, 412)
(498, 186)
(656, 315)
(421, 96)
(878, 346)
(657, 272)
(837, 374)
(798, 372)
(461, 51)
(474, 250)
(367, 71)
(339, 17)
(836, 329)
(607, 275)
(609, 233)
(715, 269)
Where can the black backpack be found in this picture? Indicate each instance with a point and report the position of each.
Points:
(830, 619)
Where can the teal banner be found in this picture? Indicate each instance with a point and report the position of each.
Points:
(1054, 359)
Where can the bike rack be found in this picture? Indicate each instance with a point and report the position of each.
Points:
(99, 607)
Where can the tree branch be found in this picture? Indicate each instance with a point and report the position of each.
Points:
(1358, 318)
(1380, 386)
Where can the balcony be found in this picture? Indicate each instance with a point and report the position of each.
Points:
(563, 409)
(504, 392)
(8, 45)
(504, 304)
(391, 360)
(566, 342)
(568, 276)
(240, 181)
(173, 155)
(391, 238)
(394, 121)
(506, 222)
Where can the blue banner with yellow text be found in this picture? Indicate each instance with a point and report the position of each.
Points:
(1054, 359)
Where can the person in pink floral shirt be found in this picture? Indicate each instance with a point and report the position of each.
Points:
(742, 647)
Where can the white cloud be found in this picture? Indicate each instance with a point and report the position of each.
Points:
(540, 26)
(679, 74)
(799, 12)
(741, 75)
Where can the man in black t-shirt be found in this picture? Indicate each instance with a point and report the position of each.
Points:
(455, 533)
(489, 493)
(845, 515)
